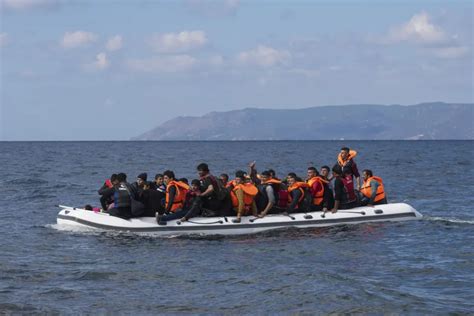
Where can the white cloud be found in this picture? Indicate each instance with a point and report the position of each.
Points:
(178, 42)
(451, 52)
(114, 43)
(418, 30)
(27, 4)
(77, 39)
(101, 62)
(3, 39)
(264, 56)
(433, 39)
(175, 63)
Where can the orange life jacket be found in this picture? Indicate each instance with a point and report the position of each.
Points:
(180, 196)
(317, 196)
(352, 154)
(230, 184)
(272, 181)
(297, 186)
(250, 191)
(366, 189)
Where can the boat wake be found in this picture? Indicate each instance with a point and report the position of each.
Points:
(449, 220)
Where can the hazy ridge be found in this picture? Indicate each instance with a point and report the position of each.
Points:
(360, 122)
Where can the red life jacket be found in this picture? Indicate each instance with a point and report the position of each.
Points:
(349, 191)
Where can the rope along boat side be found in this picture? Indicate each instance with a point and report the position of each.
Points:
(76, 217)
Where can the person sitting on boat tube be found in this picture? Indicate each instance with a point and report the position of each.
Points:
(175, 192)
(137, 186)
(328, 192)
(344, 193)
(298, 194)
(372, 190)
(192, 206)
(224, 178)
(281, 194)
(316, 189)
(243, 196)
(345, 159)
(159, 183)
(215, 198)
(122, 199)
(106, 192)
(151, 199)
(267, 197)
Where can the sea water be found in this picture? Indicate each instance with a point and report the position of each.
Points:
(418, 267)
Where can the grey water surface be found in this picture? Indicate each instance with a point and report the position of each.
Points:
(416, 267)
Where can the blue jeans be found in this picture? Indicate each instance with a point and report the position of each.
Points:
(176, 215)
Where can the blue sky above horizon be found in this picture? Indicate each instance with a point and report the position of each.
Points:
(110, 70)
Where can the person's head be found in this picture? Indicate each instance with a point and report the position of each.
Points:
(203, 169)
(367, 174)
(345, 153)
(88, 207)
(224, 177)
(240, 177)
(325, 171)
(147, 185)
(195, 185)
(312, 172)
(265, 176)
(121, 177)
(168, 176)
(141, 179)
(185, 180)
(272, 173)
(337, 170)
(114, 180)
(159, 179)
(291, 177)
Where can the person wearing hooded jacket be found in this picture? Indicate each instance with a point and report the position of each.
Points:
(106, 192)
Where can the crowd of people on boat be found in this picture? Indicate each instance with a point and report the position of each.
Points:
(249, 193)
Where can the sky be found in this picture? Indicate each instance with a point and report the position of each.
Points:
(111, 70)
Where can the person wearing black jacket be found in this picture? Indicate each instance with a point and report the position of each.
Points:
(122, 198)
(107, 191)
(151, 199)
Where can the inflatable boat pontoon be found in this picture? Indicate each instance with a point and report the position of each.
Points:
(70, 216)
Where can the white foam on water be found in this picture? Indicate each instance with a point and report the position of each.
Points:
(449, 220)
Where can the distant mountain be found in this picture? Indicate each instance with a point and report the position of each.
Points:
(421, 121)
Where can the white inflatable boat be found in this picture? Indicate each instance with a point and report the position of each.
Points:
(70, 217)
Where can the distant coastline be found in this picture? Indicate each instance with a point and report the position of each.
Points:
(425, 121)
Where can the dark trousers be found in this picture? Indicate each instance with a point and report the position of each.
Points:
(348, 206)
(176, 215)
(315, 208)
(365, 200)
(105, 201)
(122, 212)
